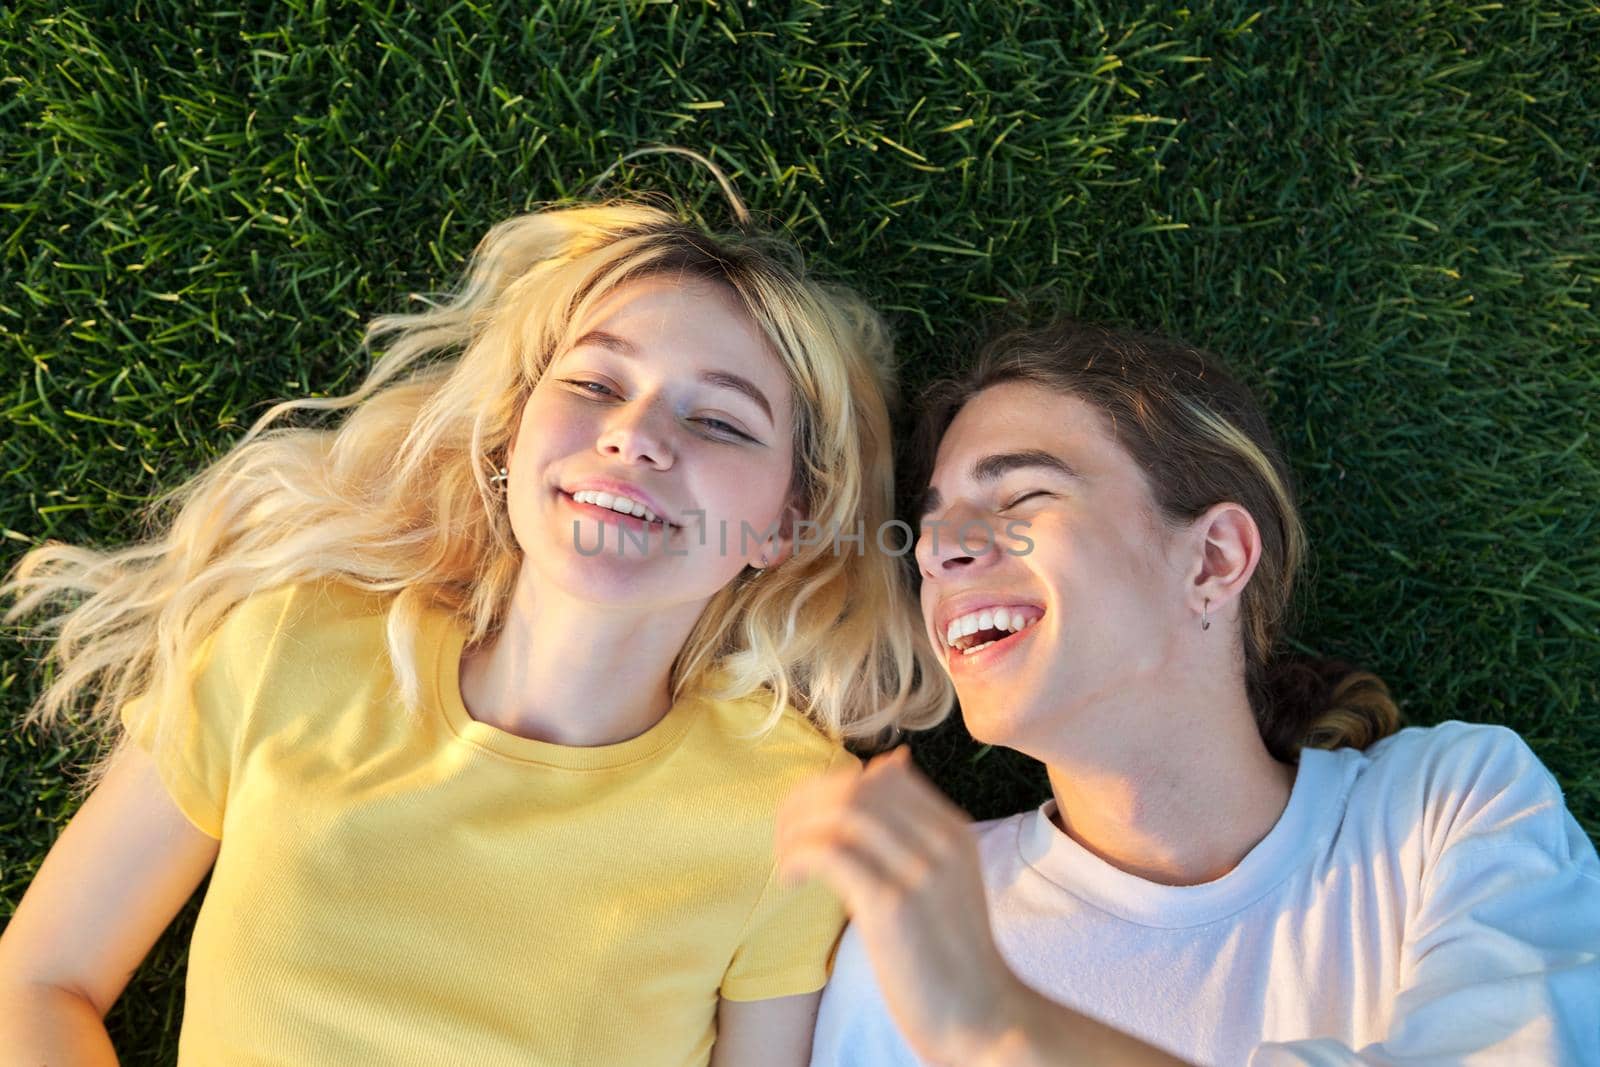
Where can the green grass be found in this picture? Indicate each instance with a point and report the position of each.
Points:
(1383, 214)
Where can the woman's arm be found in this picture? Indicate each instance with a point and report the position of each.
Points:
(119, 872)
(759, 1033)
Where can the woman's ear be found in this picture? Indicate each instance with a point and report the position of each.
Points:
(1227, 545)
(781, 545)
(516, 424)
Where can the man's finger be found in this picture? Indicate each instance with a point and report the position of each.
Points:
(895, 845)
(852, 872)
(895, 780)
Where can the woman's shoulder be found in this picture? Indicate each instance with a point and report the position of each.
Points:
(303, 630)
(789, 744)
(300, 610)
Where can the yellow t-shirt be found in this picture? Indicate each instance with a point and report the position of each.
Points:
(427, 889)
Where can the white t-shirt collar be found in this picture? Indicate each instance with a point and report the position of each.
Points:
(1316, 807)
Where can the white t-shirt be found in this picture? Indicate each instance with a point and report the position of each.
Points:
(1429, 900)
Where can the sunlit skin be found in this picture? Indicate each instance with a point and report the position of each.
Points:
(582, 659)
(642, 400)
(1138, 711)
(1100, 567)
(1093, 689)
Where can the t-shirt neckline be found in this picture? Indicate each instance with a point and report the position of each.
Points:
(1316, 806)
(446, 686)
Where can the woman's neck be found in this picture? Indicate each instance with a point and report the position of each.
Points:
(1173, 796)
(572, 672)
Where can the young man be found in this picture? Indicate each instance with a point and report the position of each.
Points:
(1241, 861)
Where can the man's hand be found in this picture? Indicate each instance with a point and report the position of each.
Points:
(903, 860)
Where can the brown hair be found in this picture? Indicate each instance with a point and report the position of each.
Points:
(1200, 439)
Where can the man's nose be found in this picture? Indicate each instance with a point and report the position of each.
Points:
(957, 539)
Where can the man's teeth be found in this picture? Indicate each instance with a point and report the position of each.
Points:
(615, 503)
(1009, 618)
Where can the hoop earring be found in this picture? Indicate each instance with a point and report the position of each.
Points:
(1205, 616)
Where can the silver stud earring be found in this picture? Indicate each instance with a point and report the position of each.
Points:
(499, 480)
(1205, 616)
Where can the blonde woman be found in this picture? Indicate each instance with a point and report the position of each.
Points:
(469, 789)
(1243, 861)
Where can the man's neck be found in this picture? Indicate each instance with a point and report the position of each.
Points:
(1175, 797)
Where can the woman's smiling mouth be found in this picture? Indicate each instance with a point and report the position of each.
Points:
(617, 509)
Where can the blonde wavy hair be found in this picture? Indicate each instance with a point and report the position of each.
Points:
(396, 499)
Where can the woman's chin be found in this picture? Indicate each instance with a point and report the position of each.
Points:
(633, 582)
(601, 581)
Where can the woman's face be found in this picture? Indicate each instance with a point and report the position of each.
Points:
(670, 405)
(1088, 612)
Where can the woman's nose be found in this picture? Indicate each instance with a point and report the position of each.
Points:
(638, 432)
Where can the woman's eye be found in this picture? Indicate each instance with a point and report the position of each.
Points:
(724, 429)
(593, 387)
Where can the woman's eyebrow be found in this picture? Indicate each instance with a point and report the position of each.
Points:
(724, 379)
(741, 385)
(995, 466)
(601, 339)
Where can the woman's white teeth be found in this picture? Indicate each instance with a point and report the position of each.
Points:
(615, 503)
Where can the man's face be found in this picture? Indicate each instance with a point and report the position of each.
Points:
(1089, 611)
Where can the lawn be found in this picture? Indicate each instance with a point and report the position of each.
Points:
(1384, 214)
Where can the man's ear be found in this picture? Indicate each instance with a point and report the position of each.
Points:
(1227, 548)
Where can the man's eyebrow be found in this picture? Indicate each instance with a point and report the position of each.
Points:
(992, 467)
(989, 468)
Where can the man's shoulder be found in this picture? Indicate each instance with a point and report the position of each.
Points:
(998, 842)
(1460, 782)
(1447, 762)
